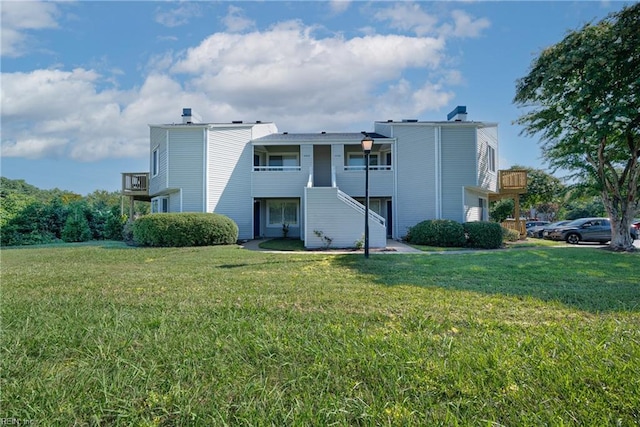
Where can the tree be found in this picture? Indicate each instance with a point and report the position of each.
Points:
(543, 189)
(76, 227)
(582, 96)
(501, 210)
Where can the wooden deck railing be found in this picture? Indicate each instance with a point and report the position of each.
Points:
(135, 184)
(512, 180)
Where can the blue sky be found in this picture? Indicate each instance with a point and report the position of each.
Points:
(82, 80)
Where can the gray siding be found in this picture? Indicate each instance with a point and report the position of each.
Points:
(459, 169)
(353, 182)
(158, 139)
(230, 162)
(472, 210)
(186, 166)
(487, 136)
(416, 175)
(337, 220)
(279, 183)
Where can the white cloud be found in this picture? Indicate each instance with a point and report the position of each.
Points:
(34, 148)
(410, 17)
(236, 21)
(286, 74)
(465, 25)
(286, 67)
(339, 6)
(407, 16)
(179, 15)
(18, 18)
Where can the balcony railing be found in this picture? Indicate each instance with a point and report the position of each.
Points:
(276, 168)
(513, 180)
(135, 184)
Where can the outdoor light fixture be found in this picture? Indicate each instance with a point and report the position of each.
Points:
(367, 144)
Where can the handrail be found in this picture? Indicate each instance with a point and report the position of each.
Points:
(135, 182)
(371, 168)
(276, 168)
(310, 181)
(359, 207)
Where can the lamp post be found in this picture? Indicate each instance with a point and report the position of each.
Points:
(367, 143)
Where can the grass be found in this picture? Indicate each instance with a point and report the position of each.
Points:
(109, 335)
(283, 245)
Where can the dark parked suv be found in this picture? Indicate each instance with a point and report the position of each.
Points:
(585, 230)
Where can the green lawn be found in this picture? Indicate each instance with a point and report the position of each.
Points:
(110, 335)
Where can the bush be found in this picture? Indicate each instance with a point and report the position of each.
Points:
(509, 235)
(482, 234)
(437, 232)
(76, 228)
(184, 229)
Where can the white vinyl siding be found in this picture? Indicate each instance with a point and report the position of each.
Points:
(335, 219)
(416, 176)
(229, 167)
(459, 168)
(487, 169)
(186, 171)
(158, 143)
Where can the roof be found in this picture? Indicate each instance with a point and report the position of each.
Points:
(354, 137)
(238, 123)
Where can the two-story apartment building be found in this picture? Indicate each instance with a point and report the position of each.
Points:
(315, 182)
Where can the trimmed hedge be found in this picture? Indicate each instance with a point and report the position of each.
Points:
(184, 229)
(437, 232)
(483, 234)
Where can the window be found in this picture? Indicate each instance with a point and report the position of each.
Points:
(283, 162)
(481, 208)
(282, 212)
(154, 162)
(491, 158)
(160, 205)
(355, 161)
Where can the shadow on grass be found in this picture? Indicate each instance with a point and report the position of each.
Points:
(103, 244)
(588, 279)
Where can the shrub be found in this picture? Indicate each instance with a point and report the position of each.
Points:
(509, 235)
(184, 229)
(437, 232)
(482, 234)
(76, 228)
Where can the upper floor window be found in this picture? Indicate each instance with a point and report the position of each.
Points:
(154, 162)
(355, 161)
(276, 162)
(491, 158)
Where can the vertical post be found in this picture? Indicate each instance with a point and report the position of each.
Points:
(366, 205)
(367, 145)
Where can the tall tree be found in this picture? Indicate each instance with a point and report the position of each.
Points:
(542, 188)
(582, 96)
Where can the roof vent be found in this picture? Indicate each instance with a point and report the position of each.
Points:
(258, 122)
(459, 114)
(390, 121)
(409, 120)
(323, 133)
(285, 133)
(236, 122)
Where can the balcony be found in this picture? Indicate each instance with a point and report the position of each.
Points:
(136, 185)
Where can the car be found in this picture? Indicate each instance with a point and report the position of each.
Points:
(586, 230)
(530, 224)
(539, 230)
(635, 224)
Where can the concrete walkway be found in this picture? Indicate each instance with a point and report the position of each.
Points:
(393, 247)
